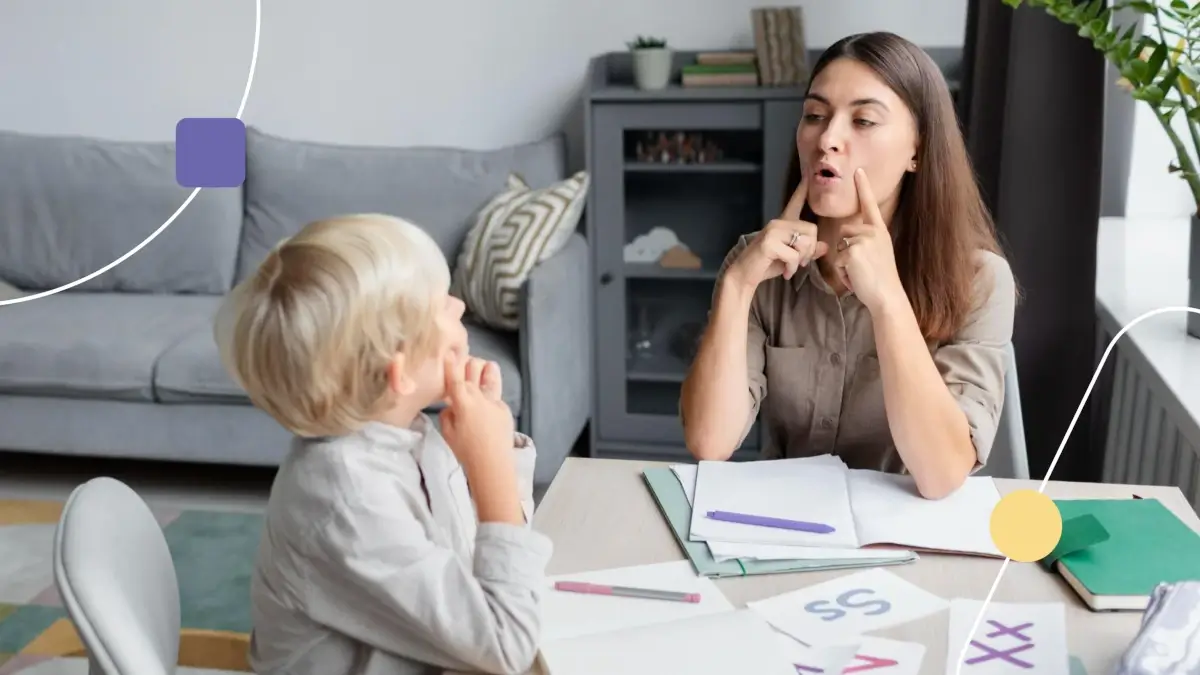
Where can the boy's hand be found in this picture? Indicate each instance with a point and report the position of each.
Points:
(486, 374)
(476, 423)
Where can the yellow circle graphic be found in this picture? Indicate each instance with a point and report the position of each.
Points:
(1026, 525)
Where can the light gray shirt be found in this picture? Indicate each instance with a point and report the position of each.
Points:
(372, 562)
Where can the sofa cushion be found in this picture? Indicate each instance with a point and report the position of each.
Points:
(69, 206)
(291, 183)
(518, 229)
(93, 345)
(190, 371)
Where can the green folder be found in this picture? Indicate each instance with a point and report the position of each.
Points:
(1113, 552)
(673, 503)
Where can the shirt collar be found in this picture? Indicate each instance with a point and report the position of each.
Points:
(387, 436)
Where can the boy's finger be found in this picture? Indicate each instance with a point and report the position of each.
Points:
(490, 382)
(475, 367)
(454, 377)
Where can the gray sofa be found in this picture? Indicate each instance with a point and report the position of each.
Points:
(125, 365)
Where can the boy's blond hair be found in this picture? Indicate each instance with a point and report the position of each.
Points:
(311, 334)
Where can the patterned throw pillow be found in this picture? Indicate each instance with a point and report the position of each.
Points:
(516, 230)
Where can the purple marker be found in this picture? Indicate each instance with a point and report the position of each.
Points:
(765, 521)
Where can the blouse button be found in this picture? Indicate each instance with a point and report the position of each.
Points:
(827, 423)
(835, 358)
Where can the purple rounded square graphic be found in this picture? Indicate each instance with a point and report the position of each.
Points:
(210, 152)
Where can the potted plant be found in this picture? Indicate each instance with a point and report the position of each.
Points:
(651, 62)
(1160, 68)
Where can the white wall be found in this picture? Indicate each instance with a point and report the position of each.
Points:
(1153, 192)
(468, 73)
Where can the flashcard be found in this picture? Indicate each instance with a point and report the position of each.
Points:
(867, 655)
(827, 660)
(831, 612)
(1011, 638)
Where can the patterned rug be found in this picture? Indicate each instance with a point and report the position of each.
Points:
(214, 555)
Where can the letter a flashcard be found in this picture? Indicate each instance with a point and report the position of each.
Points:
(876, 656)
(1012, 638)
(836, 611)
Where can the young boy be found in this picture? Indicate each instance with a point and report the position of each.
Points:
(387, 548)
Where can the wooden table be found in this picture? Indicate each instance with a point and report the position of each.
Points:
(600, 514)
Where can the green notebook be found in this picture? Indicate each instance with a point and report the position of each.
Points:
(673, 503)
(1113, 552)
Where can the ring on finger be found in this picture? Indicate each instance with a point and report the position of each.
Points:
(845, 244)
(794, 238)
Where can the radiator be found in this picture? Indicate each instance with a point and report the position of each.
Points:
(1148, 436)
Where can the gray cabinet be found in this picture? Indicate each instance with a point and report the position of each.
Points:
(648, 317)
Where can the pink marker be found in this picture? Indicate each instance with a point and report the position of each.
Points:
(625, 591)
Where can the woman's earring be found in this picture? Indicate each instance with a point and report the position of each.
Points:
(913, 166)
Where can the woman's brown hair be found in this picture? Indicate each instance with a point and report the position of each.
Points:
(941, 222)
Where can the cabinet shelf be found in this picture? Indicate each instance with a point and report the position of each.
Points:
(661, 368)
(656, 271)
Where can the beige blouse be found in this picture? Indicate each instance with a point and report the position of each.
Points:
(814, 373)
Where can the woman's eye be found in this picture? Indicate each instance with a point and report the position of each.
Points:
(812, 117)
(864, 123)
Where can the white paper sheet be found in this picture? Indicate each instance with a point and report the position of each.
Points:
(566, 614)
(686, 473)
(829, 660)
(1012, 638)
(795, 490)
(716, 644)
(836, 611)
(868, 654)
(889, 510)
(722, 551)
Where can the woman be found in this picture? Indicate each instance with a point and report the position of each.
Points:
(870, 319)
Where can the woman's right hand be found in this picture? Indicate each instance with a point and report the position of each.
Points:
(785, 245)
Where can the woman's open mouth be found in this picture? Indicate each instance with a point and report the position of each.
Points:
(826, 176)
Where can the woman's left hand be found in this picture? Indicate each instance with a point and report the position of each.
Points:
(866, 262)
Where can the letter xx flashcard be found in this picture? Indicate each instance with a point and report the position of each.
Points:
(1017, 638)
(835, 611)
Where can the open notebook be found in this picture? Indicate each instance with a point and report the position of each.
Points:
(864, 508)
(598, 634)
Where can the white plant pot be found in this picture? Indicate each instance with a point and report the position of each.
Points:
(652, 68)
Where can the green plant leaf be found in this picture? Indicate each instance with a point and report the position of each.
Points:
(1139, 71)
(1151, 93)
(1155, 63)
(1168, 80)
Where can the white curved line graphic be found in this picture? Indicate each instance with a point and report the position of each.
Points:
(962, 655)
(186, 202)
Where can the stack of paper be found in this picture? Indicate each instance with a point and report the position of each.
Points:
(860, 511)
(586, 634)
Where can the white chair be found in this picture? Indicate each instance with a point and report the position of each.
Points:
(1009, 458)
(117, 581)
